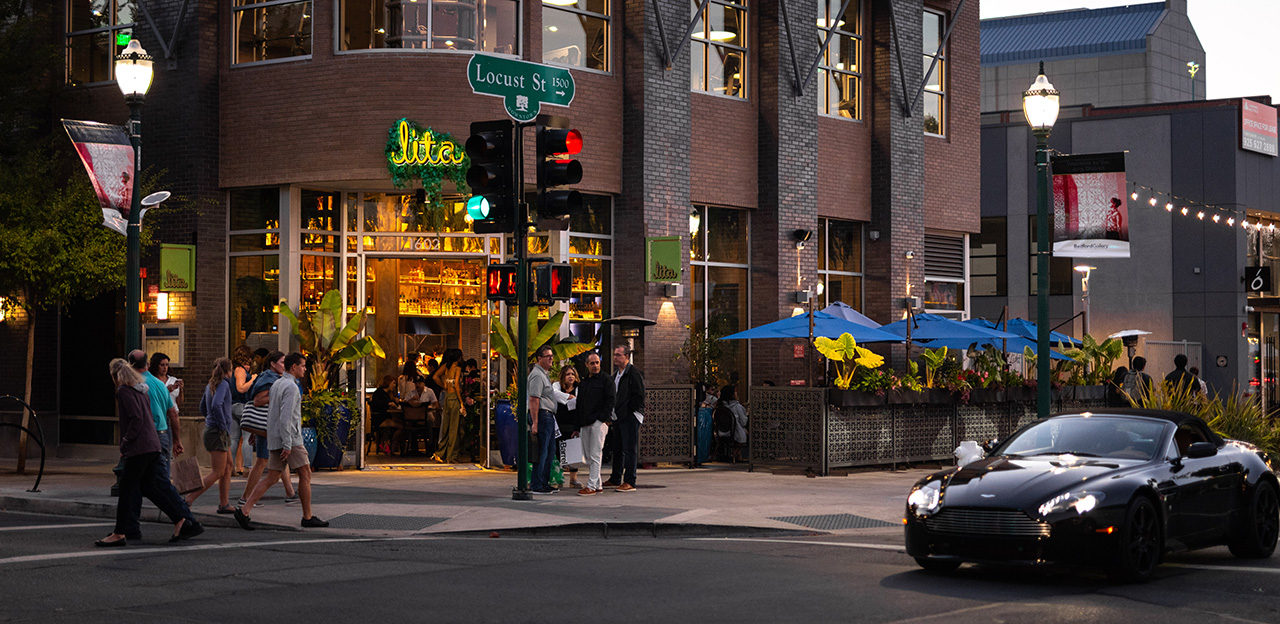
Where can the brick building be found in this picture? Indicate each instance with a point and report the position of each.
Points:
(275, 116)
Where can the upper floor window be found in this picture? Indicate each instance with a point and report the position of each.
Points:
(935, 73)
(718, 52)
(97, 30)
(840, 74)
(267, 30)
(576, 33)
(479, 25)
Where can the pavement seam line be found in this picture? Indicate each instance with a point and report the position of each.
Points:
(809, 542)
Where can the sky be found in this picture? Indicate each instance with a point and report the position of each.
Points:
(1236, 36)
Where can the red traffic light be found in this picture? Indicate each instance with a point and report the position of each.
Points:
(500, 282)
(552, 282)
(560, 142)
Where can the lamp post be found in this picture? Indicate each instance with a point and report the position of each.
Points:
(1084, 271)
(133, 74)
(1192, 68)
(1040, 104)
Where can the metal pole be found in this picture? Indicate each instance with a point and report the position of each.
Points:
(1042, 273)
(521, 492)
(133, 287)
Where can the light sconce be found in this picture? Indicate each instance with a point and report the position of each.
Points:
(911, 255)
(801, 237)
(3, 312)
(873, 235)
(695, 220)
(162, 306)
(673, 290)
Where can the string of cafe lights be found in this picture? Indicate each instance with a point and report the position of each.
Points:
(1140, 194)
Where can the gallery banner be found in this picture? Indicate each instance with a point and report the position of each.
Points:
(108, 157)
(1090, 208)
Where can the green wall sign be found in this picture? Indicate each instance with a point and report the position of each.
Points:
(415, 152)
(523, 86)
(177, 268)
(662, 259)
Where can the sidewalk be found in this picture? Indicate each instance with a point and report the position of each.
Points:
(714, 500)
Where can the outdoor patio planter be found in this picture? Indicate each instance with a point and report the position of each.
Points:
(853, 398)
(925, 396)
(987, 395)
(1088, 393)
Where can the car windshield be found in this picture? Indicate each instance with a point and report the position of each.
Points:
(1093, 436)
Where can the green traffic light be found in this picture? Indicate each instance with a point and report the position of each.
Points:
(478, 208)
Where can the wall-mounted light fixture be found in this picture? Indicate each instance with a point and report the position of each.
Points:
(873, 235)
(162, 306)
(911, 255)
(3, 312)
(674, 290)
(695, 220)
(801, 237)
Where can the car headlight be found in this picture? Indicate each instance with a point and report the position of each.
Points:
(1080, 502)
(925, 499)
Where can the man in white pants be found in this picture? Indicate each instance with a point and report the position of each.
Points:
(595, 411)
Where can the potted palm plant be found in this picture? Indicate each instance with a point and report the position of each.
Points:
(329, 344)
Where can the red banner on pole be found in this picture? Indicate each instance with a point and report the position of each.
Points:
(108, 157)
(1090, 212)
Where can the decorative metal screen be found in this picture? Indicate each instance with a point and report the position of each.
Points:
(786, 426)
(924, 432)
(667, 432)
(859, 435)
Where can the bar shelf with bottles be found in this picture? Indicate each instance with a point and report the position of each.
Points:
(449, 288)
(317, 279)
(586, 303)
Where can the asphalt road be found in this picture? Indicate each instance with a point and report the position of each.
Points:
(50, 572)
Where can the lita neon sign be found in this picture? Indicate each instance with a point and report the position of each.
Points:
(425, 148)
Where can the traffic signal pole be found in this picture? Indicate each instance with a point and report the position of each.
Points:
(521, 238)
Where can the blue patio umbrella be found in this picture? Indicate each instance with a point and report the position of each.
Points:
(934, 327)
(1028, 330)
(842, 310)
(823, 325)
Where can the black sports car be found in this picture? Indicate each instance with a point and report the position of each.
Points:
(1116, 489)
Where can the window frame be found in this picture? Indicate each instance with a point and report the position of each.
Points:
(825, 66)
(705, 40)
(999, 257)
(431, 16)
(824, 262)
(608, 34)
(111, 29)
(233, 49)
(943, 75)
(704, 211)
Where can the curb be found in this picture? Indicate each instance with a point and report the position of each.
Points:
(85, 509)
(616, 530)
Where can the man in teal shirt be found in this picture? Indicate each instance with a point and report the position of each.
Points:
(163, 411)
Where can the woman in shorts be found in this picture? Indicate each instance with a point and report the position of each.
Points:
(215, 406)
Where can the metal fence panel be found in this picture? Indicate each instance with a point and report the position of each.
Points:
(787, 426)
(859, 436)
(668, 429)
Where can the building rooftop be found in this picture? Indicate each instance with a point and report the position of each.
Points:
(1068, 34)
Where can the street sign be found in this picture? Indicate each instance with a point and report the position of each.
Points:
(1258, 279)
(523, 86)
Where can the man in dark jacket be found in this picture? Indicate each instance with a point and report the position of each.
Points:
(1181, 377)
(628, 411)
(595, 413)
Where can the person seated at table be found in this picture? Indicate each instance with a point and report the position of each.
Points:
(380, 404)
(416, 402)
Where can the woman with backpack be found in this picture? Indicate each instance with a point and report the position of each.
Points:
(730, 422)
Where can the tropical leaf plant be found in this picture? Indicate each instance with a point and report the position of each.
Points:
(503, 338)
(327, 342)
(847, 355)
(933, 360)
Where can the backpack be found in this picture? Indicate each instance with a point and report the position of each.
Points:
(1132, 384)
(722, 420)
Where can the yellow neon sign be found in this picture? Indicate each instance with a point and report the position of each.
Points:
(424, 149)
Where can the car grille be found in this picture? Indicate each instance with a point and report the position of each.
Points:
(990, 522)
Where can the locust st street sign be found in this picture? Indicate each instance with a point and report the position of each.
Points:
(523, 86)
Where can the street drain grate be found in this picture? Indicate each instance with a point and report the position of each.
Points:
(835, 522)
(370, 522)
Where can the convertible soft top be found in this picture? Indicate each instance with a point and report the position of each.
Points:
(1177, 418)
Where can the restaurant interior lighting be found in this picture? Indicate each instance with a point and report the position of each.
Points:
(695, 220)
(822, 23)
(560, 2)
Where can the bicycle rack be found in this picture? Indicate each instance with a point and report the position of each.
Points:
(38, 438)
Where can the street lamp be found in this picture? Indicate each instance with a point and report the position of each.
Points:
(1040, 104)
(133, 74)
(1084, 270)
(1192, 68)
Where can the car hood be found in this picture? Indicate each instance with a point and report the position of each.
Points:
(1026, 482)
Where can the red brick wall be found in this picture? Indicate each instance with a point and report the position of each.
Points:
(952, 164)
(844, 168)
(723, 165)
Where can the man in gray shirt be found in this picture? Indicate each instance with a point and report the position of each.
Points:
(284, 442)
(542, 415)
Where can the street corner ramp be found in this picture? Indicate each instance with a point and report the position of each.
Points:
(373, 522)
(835, 522)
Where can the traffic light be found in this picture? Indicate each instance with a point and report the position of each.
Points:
(551, 283)
(492, 206)
(556, 143)
(500, 282)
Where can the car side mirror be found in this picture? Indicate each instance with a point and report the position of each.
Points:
(1201, 449)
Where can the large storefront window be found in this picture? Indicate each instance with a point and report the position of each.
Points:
(473, 25)
(840, 74)
(718, 52)
(576, 33)
(268, 30)
(840, 262)
(254, 288)
(720, 262)
(97, 30)
(591, 256)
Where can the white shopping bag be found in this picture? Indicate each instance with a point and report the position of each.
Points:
(573, 451)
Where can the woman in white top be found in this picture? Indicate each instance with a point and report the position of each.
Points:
(159, 367)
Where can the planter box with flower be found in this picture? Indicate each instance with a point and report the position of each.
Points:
(853, 360)
(328, 345)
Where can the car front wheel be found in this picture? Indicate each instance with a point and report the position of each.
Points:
(1255, 536)
(1141, 543)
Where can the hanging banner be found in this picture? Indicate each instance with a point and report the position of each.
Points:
(108, 157)
(1090, 209)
